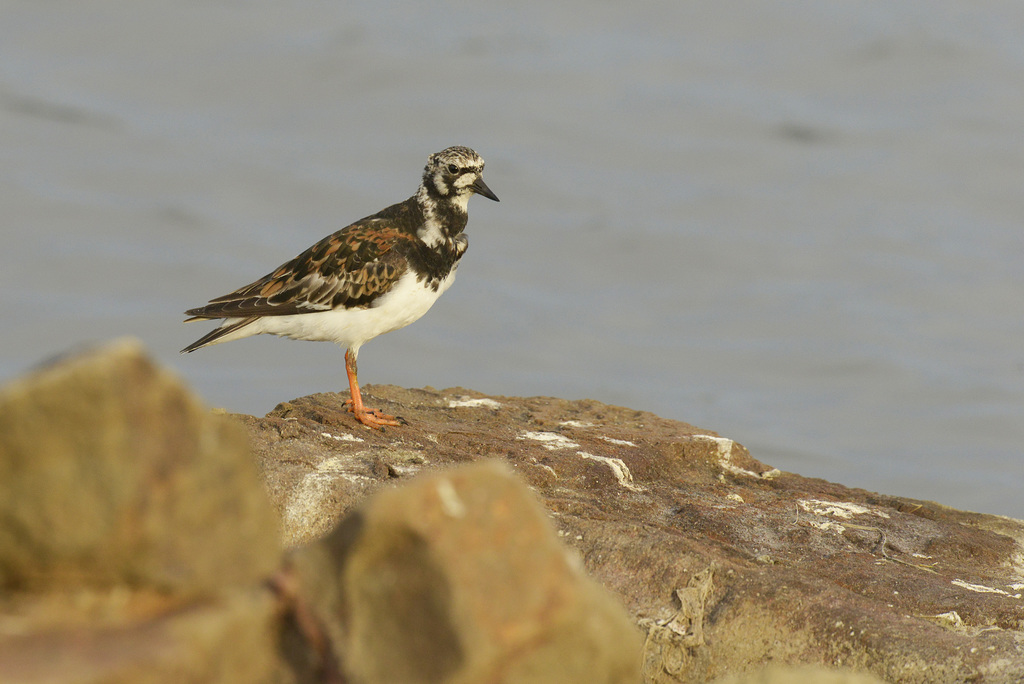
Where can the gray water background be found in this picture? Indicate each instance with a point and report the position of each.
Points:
(796, 223)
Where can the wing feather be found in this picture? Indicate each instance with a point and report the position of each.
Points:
(350, 268)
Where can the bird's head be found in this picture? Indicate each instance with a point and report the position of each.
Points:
(454, 174)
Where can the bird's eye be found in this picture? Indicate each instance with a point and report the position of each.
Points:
(452, 168)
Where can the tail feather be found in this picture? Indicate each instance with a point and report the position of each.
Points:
(216, 334)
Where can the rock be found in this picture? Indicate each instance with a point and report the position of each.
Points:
(135, 533)
(801, 675)
(725, 563)
(128, 638)
(137, 545)
(458, 576)
(112, 473)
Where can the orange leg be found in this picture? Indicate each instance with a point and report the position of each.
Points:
(371, 417)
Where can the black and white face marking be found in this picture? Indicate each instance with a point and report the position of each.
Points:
(450, 178)
(454, 174)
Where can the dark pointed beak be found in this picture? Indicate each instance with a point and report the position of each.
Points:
(480, 188)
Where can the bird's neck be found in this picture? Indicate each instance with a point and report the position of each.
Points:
(444, 216)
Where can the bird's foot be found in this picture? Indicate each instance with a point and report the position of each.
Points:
(374, 417)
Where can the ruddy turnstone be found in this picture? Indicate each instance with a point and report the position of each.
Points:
(377, 275)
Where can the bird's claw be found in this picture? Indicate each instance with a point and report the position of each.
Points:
(374, 418)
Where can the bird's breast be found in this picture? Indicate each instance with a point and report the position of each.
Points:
(435, 266)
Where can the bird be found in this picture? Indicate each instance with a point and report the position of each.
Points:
(374, 276)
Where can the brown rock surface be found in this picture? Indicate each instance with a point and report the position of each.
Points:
(112, 473)
(135, 535)
(725, 563)
(801, 675)
(127, 637)
(138, 545)
(458, 577)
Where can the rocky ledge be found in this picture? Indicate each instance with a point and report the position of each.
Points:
(135, 538)
(725, 563)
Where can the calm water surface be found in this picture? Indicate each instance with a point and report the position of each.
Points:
(798, 224)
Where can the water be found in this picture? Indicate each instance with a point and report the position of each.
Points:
(795, 223)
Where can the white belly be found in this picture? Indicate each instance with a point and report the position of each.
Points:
(407, 301)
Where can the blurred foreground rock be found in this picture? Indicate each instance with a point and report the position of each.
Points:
(134, 535)
(726, 564)
(138, 544)
(459, 577)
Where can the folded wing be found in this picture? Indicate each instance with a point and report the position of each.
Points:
(350, 268)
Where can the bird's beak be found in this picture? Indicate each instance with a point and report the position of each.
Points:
(480, 188)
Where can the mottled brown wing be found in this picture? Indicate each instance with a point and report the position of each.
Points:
(350, 268)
